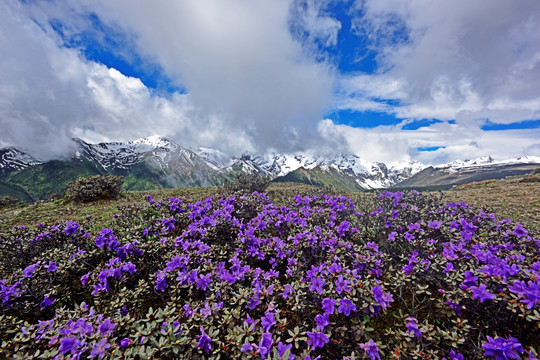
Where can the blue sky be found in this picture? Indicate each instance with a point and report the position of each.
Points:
(384, 79)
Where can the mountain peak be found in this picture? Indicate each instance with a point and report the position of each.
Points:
(14, 159)
(156, 141)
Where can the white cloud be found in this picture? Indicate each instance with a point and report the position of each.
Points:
(458, 141)
(238, 62)
(455, 59)
(312, 25)
(250, 85)
(48, 94)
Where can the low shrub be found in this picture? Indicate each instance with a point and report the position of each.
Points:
(94, 188)
(7, 201)
(396, 276)
(530, 179)
(247, 183)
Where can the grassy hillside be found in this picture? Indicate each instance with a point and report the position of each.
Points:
(446, 179)
(517, 198)
(44, 180)
(14, 191)
(322, 177)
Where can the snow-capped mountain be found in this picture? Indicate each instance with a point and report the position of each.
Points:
(156, 162)
(366, 174)
(14, 159)
(123, 155)
(163, 161)
(461, 172)
(487, 160)
(215, 157)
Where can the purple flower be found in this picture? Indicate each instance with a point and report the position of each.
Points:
(470, 279)
(346, 306)
(106, 327)
(107, 238)
(267, 321)
(71, 228)
(129, 267)
(480, 292)
(343, 228)
(342, 284)
(265, 344)
(371, 349)
(409, 237)
(449, 267)
(530, 292)
(247, 347)
(47, 301)
(455, 356)
(249, 321)
(69, 344)
(206, 311)
(203, 282)
(322, 320)
(51, 267)
(100, 348)
(435, 224)
(282, 349)
(328, 305)
(383, 298)
(412, 328)
(204, 342)
(30, 270)
(126, 342)
(317, 339)
(161, 280)
(85, 277)
(502, 349)
(520, 231)
(287, 291)
(317, 285)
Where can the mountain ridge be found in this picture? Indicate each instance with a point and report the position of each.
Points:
(156, 162)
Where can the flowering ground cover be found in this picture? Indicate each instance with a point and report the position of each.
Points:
(315, 276)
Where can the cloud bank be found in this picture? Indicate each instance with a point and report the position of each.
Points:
(260, 75)
(250, 85)
(448, 60)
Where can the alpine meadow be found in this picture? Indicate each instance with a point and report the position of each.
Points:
(270, 179)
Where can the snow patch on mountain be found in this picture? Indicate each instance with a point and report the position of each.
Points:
(123, 155)
(15, 159)
(368, 175)
(458, 165)
(214, 157)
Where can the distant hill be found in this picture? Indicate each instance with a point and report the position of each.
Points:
(448, 177)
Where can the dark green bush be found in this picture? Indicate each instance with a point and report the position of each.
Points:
(95, 188)
(248, 183)
(6, 201)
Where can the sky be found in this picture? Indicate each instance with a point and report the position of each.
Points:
(388, 80)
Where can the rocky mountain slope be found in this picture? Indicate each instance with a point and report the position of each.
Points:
(12, 159)
(155, 162)
(468, 171)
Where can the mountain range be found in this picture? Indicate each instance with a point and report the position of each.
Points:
(155, 162)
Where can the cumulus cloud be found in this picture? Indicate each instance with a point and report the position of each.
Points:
(453, 59)
(238, 62)
(258, 75)
(456, 141)
(49, 94)
(250, 85)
